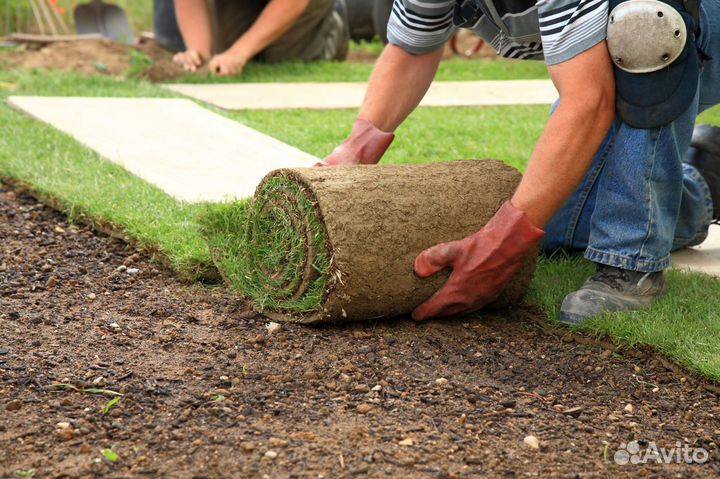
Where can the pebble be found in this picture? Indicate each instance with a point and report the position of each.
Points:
(63, 425)
(98, 380)
(121, 269)
(14, 405)
(51, 282)
(532, 442)
(91, 297)
(273, 327)
(132, 271)
(629, 408)
(277, 442)
(114, 326)
(441, 381)
(65, 434)
(85, 448)
(362, 388)
(271, 454)
(59, 230)
(573, 411)
(4, 351)
(377, 388)
(408, 441)
(508, 403)
(259, 339)
(363, 408)
(247, 446)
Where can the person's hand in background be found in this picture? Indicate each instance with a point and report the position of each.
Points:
(189, 60)
(228, 63)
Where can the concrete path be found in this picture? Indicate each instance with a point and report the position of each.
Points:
(186, 150)
(704, 258)
(324, 96)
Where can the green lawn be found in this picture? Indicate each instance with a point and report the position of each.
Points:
(684, 326)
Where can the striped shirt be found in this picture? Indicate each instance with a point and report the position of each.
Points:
(553, 30)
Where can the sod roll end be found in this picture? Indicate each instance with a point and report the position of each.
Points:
(339, 244)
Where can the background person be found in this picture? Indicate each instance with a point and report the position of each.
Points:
(237, 31)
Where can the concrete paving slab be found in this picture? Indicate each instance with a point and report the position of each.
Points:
(186, 150)
(325, 96)
(704, 258)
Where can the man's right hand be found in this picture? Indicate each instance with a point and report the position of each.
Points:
(189, 60)
(365, 146)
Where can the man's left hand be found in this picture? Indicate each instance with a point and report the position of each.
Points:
(227, 64)
(482, 264)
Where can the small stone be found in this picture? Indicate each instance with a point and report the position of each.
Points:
(277, 442)
(408, 441)
(51, 282)
(271, 454)
(683, 380)
(441, 381)
(656, 389)
(362, 388)
(59, 230)
(115, 326)
(132, 271)
(606, 354)
(247, 446)
(689, 416)
(65, 434)
(363, 408)
(273, 327)
(85, 448)
(508, 403)
(259, 339)
(637, 369)
(121, 269)
(63, 425)
(532, 442)
(224, 379)
(629, 408)
(91, 297)
(98, 380)
(573, 411)
(14, 405)
(4, 351)
(377, 388)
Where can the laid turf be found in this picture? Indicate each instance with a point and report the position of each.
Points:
(685, 325)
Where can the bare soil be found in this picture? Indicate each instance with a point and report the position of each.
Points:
(105, 57)
(210, 392)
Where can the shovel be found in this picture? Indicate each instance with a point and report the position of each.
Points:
(110, 21)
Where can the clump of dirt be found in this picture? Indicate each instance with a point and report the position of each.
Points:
(211, 391)
(146, 60)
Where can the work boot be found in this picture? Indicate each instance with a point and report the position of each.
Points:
(609, 290)
(704, 155)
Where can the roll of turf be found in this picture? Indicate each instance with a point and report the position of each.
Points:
(339, 244)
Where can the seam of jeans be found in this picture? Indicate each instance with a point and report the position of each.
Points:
(649, 196)
(626, 262)
(582, 200)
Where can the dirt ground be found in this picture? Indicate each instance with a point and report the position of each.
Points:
(209, 391)
(105, 57)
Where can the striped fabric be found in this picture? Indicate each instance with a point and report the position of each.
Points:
(553, 30)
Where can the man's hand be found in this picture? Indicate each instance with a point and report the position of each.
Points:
(365, 146)
(189, 60)
(227, 64)
(482, 264)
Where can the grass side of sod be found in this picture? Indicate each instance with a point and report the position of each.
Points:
(685, 325)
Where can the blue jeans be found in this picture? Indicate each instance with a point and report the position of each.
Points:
(638, 201)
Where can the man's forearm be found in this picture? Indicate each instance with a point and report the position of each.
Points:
(398, 83)
(561, 159)
(193, 18)
(276, 19)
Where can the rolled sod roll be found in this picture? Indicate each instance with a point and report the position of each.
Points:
(339, 244)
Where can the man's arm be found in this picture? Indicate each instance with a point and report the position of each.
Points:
(398, 83)
(193, 18)
(484, 262)
(276, 19)
(573, 135)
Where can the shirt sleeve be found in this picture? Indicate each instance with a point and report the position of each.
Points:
(421, 26)
(571, 27)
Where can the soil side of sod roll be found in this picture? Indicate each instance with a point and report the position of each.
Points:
(339, 244)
